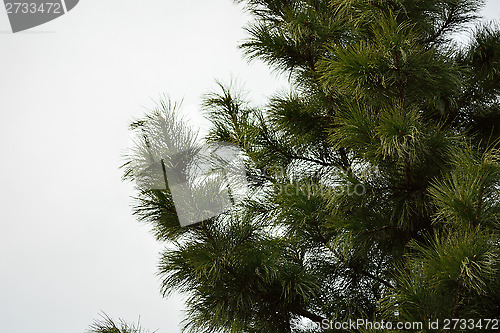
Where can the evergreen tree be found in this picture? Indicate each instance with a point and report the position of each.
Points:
(374, 182)
(107, 325)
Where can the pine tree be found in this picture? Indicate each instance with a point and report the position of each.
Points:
(374, 182)
(108, 325)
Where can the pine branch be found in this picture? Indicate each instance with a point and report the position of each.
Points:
(480, 204)
(458, 302)
(310, 315)
(341, 256)
(376, 278)
(294, 156)
(433, 38)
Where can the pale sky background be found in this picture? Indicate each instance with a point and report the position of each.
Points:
(69, 246)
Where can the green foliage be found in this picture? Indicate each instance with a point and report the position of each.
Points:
(374, 181)
(469, 194)
(108, 325)
(455, 276)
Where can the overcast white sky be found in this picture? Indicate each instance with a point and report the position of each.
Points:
(69, 246)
